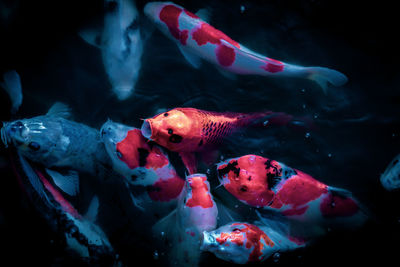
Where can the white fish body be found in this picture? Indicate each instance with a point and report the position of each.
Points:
(121, 46)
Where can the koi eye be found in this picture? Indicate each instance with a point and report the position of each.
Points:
(243, 188)
(119, 154)
(170, 131)
(34, 146)
(166, 114)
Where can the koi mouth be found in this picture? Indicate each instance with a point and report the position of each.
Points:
(207, 241)
(146, 129)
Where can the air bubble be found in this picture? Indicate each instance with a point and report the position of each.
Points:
(276, 257)
(307, 135)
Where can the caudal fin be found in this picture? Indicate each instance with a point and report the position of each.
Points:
(323, 76)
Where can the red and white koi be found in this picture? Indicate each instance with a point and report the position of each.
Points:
(242, 243)
(196, 212)
(141, 163)
(264, 183)
(198, 39)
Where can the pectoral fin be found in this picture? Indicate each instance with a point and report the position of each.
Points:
(194, 60)
(68, 183)
(91, 213)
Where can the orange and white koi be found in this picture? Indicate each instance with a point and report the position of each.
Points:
(188, 130)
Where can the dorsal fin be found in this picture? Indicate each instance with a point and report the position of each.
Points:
(204, 14)
(60, 110)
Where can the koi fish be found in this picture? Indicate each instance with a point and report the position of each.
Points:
(141, 164)
(264, 183)
(188, 130)
(242, 243)
(196, 212)
(12, 84)
(390, 179)
(197, 40)
(80, 232)
(121, 45)
(63, 146)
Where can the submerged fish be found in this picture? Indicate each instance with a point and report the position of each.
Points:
(264, 183)
(199, 40)
(12, 84)
(121, 45)
(242, 243)
(196, 212)
(80, 232)
(390, 179)
(141, 163)
(188, 130)
(63, 146)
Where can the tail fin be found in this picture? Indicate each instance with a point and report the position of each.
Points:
(346, 206)
(323, 76)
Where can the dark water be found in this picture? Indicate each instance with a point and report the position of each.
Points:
(358, 124)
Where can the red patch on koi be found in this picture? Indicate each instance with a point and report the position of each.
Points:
(131, 156)
(200, 194)
(299, 190)
(335, 206)
(156, 159)
(67, 207)
(273, 65)
(225, 55)
(208, 34)
(166, 189)
(184, 36)
(170, 16)
(247, 180)
(293, 212)
(252, 235)
(128, 148)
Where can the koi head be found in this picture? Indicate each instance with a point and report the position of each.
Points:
(199, 210)
(127, 148)
(168, 129)
(248, 179)
(39, 139)
(152, 10)
(237, 242)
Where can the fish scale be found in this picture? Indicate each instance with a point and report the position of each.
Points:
(218, 125)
